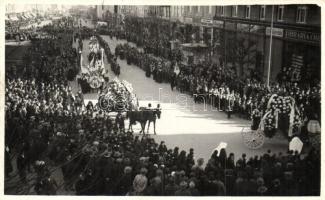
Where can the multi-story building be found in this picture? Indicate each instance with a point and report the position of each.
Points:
(201, 20)
(104, 11)
(137, 11)
(295, 36)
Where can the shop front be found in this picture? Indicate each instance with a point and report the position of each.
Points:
(301, 58)
(217, 41)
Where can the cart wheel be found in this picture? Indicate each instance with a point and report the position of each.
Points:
(253, 139)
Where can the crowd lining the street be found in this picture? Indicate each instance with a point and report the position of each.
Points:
(209, 82)
(49, 128)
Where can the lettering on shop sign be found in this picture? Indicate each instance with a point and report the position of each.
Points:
(207, 21)
(302, 35)
(277, 32)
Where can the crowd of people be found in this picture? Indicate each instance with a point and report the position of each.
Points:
(213, 83)
(46, 125)
(158, 68)
(48, 128)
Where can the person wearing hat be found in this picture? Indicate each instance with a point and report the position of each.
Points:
(155, 187)
(21, 166)
(124, 183)
(192, 188)
(183, 190)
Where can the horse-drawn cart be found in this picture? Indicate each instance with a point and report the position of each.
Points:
(281, 115)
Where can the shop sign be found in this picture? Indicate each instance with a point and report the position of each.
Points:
(230, 26)
(243, 27)
(188, 20)
(206, 21)
(218, 23)
(302, 35)
(277, 32)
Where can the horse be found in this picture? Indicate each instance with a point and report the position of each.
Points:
(137, 116)
(143, 116)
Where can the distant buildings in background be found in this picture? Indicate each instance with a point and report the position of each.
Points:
(20, 8)
(296, 32)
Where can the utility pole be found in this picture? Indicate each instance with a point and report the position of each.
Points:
(270, 50)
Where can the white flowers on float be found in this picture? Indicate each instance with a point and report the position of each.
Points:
(283, 106)
(118, 96)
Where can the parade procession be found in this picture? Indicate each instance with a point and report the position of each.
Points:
(121, 100)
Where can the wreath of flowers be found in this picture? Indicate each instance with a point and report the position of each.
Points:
(119, 95)
(280, 105)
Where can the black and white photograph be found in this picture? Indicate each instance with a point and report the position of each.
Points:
(161, 100)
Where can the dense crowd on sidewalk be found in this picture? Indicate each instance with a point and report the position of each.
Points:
(48, 128)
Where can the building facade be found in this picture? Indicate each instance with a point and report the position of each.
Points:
(241, 33)
(295, 42)
(104, 11)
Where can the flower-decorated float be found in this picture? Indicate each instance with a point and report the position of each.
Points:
(91, 78)
(281, 115)
(118, 96)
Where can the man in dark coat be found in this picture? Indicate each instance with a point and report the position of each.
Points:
(81, 185)
(8, 165)
(124, 184)
(21, 166)
(183, 190)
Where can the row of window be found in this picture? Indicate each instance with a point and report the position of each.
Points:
(301, 12)
(301, 15)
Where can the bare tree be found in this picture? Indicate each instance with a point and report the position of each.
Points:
(241, 52)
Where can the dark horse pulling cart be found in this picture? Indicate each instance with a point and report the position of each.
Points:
(143, 116)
